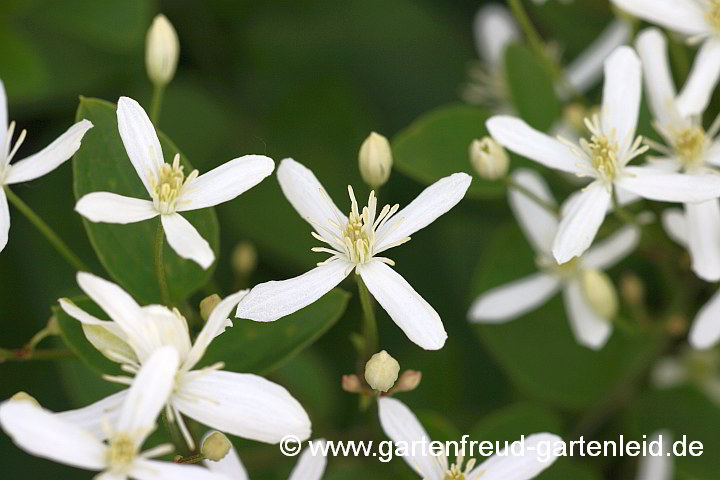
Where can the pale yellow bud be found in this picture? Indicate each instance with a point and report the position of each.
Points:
(244, 259)
(215, 446)
(24, 397)
(162, 50)
(600, 292)
(208, 304)
(408, 381)
(375, 160)
(489, 159)
(381, 371)
(574, 115)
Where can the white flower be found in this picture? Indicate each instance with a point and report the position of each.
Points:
(604, 158)
(355, 243)
(401, 425)
(169, 188)
(695, 367)
(510, 301)
(309, 466)
(700, 20)
(659, 467)
(49, 435)
(34, 166)
(241, 404)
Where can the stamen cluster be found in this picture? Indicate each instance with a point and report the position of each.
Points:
(166, 187)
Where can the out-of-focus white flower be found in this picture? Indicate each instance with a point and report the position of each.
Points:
(34, 166)
(245, 405)
(401, 425)
(170, 189)
(658, 467)
(308, 467)
(698, 368)
(590, 325)
(162, 50)
(355, 242)
(55, 437)
(604, 158)
(375, 160)
(381, 371)
(700, 21)
(489, 159)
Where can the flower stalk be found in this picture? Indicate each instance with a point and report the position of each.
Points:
(370, 331)
(160, 265)
(532, 196)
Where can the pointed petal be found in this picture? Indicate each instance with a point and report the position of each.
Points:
(705, 331)
(3, 115)
(621, 95)
(225, 182)
(109, 207)
(43, 434)
(495, 29)
(685, 17)
(144, 469)
(186, 240)
(658, 467)
(272, 300)
(652, 48)
(676, 226)
(79, 314)
(506, 466)
(514, 299)
(310, 467)
(4, 219)
(420, 322)
(538, 225)
(50, 157)
(241, 404)
(581, 222)
(93, 417)
(231, 466)
(589, 328)
(140, 140)
(434, 201)
(401, 425)
(703, 220)
(111, 341)
(669, 187)
(695, 95)
(613, 249)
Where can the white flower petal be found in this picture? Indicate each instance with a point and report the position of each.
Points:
(225, 182)
(140, 140)
(621, 95)
(662, 186)
(613, 249)
(50, 157)
(241, 404)
(231, 466)
(506, 466)
(420, 322)
(434, 201)
(652, 47)
(519, 137)
(676, 226)
(144, 469)
(111, 341)
(401, 425)
(96, 416)
(703, 220)
(683, 16)
(658, 467)
(275, 299)
(4, 219)
(712, 155)
(3, 116)
(695, 95)
(186, 240)
(495, 29)
(705, 331)
(310, 467)
(581, 222)
(514, 299)
(109, 207)
(43, 434)
(589, 328)
(538, 225)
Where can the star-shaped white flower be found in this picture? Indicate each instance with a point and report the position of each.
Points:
(604, 158)
(308, 467)
(34, 166)
(49, 435)
(506, 302)
(245, 405)
(402, 426)
(171, 189)
(700, 21)
(355, 243)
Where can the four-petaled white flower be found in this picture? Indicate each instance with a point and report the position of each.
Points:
(49, 435)
(402, 426)
(510, 301)
(355, 243)
(604, 158)
(171, 189)
(34, 166)
(309, 467)
(245, 405)
(700, 21)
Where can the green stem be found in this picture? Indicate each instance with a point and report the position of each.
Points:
(176, 436)
(160, 264)
(48, 232)
(156, 103)
(621, 213)
(532, 196)
(24, 354)
(197, 458)
(370, 332)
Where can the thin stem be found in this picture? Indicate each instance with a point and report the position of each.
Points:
(25, 354)
(160, 264)
(156, 103)
(46, 231)
(622, 214)
(176, 436)
(370, 332)
(532, 196)
(197, 458)
(40, 336)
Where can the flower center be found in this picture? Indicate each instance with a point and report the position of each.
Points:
(689, 144)
(713, 14)
(122, 451)
(456, 472)
(166, 187)
(566, 270)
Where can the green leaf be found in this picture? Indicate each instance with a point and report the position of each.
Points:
(126, 251)
(258, 347)
(531, 87)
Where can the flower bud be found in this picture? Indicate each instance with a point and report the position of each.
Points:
(408, 381)
(352, 384)
(489, 159)
(208, 304)
(574, 115)
(381, 371)
(600, 293)
(633, 289)
(24, 397)
(162, 49)
(215, 446)
(375, 160)
(244, 259)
